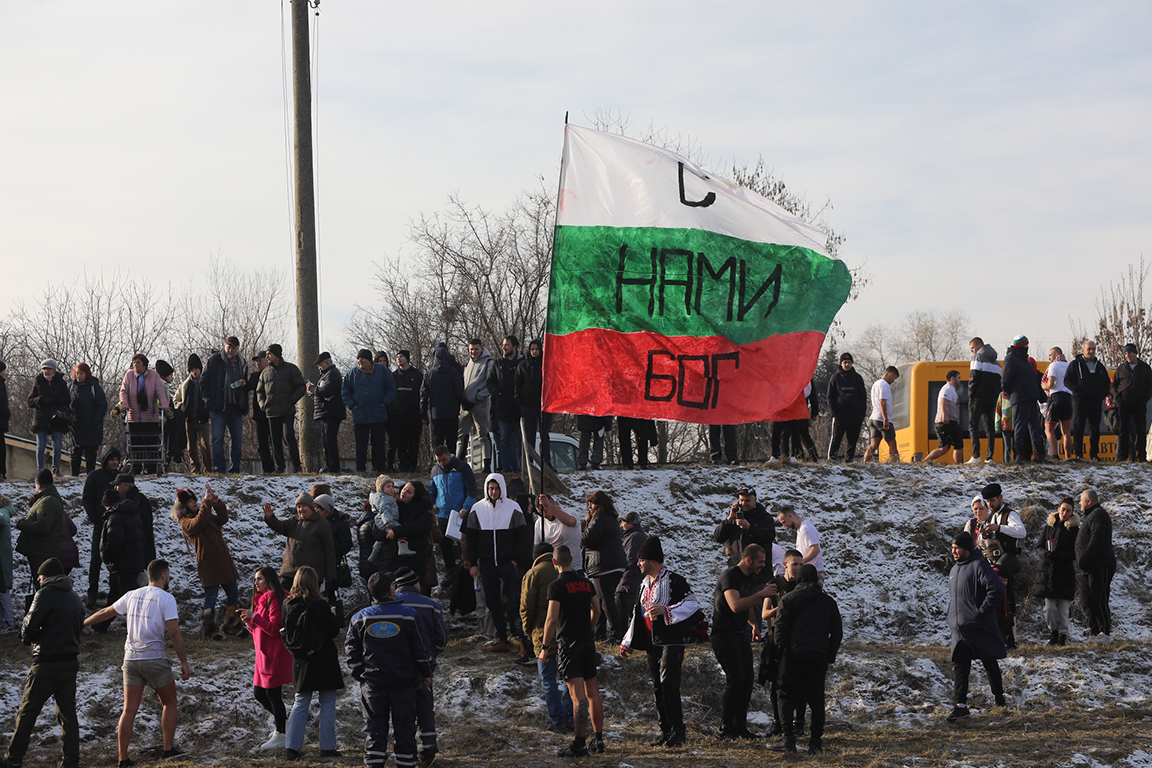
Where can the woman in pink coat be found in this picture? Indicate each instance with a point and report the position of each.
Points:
(273, 661)
(143, 395)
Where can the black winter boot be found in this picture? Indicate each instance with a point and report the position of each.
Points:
(1062, 640)
(1054, 638)
(676, 738)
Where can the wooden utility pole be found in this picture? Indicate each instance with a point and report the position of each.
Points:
(307, 313)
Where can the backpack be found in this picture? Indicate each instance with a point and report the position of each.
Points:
(301, 635)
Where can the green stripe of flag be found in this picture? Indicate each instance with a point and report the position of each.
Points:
(690, 282)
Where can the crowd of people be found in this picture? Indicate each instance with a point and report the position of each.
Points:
(551, 585)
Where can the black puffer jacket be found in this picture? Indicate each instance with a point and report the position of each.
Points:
(329, 404)
(122, 541)
(145, 509)
(1056, 576)
(761, 530)
(416, 519)
(502, 385)
(53, 623)
(1094, 542)
(808, 626)
(603, 546)
(216, 383)
(442, 392)
(44, 399)
(320, 671)
(1132, 384)
(90, 405)
(530, 379)
(1020, 381)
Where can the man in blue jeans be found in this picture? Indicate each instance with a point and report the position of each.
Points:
(505, 407)
(224, 389)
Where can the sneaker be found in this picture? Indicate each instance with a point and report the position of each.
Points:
(957, 713)
(815, 746)
(660, 740)
(973, 460)
(989, 460)
(572, 751)
(1100, 638)
(1000, 701)
(291, 754)
(497, 646)
(597, 744)
(746, 734)
(676, 739)
(168, 754)
(773, 460)
(527, 660)
(556, 728)
(427, 758)
(330, 753)
(275, 741)
(126, 763)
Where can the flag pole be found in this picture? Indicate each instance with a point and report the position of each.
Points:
(544, 350)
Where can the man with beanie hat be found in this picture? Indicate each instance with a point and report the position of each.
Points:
(309, 543)
(533, 612)
(1021, 382)
(666, 618)
(367, 390)
(223, 392)
(280, 387)
(974, 592)
(189, 403)
(848, 403)
(1131, 389)
(807, 630)
(389, 658)
(43, 527)
(434, 630)
(52, 627)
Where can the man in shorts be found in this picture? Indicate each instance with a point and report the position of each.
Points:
(1059, 405)
(150, 611)
(569, 631)
(948, 421)
(880, 421)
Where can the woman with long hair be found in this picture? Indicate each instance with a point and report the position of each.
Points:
(604, 560)
(202, 524)
(89, 406)
(318, 671)
(1056, 576)
(273, 662)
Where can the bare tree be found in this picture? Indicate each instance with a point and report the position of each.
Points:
(922, 335)
(1122, 316)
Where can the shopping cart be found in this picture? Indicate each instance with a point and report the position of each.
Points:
(144, 448)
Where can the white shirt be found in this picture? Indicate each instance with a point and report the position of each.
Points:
(1055, 373)
(557, 534)
(777, 560)
(147, 611)
(881, 390)
(806, 537)
(948, 407)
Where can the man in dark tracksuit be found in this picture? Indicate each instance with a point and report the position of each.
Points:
(388, 657)
(848, 404)
(1021, 383)
(98, 481)
(52, 627)
(808, 631)
(1131, 389)
(983, 392)
(430, 619)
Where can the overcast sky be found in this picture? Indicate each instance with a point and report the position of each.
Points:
(989, 157)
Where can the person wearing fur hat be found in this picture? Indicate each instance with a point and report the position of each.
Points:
(189, 401)
(434, 630)
(89, 406)
(143, 395)
(1056, 575)
(974, 591)
(202, 524)
(52, 627)
(309, 542)
(666, 618)
(280, 387)
(49, 401)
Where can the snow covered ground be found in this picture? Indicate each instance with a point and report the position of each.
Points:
(885, 532)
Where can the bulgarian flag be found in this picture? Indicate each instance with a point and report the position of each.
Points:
(678, 295)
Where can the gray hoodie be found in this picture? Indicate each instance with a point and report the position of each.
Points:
(476, 378)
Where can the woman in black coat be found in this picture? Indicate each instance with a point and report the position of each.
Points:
(1056, 576)
(414, 533)
(89, 406)
(604, 560)
(319, 672)
(49, 401)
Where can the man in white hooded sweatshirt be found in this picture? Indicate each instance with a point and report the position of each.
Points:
(492, 534)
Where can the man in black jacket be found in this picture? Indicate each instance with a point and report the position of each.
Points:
(98, 481)
(1089, 382)
(983, 392)
(1096, 563)
(1131, 389)
(404, 425)
(529, 391)
(848, 403)
(808, 630)
(747, 523)
(328, 409)
(225, 381)
(505, 410)
(52, 627)
(122, 545)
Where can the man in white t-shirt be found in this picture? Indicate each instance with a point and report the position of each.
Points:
(556, 527)
(948, 421)
(880, 420)
(150, 611)
(807, 538)
(1059, 404)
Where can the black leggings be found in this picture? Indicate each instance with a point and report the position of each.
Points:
(272, 701)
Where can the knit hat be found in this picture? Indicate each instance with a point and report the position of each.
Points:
(124, 477)
(52, 567)
(49, 363)
(306, 499)
(1130, 347)
(406, 353)
(632, 518)
(964, 541)
(382, 481)
(846, 356)
(380, 584)
(651, 550)
(364, 354)
(808, 572)
(1020, 341)
(323, 356)
(194, 363)
(164, 369)
(327, 502)
(991, 491)
(44, 478)
(276, 349)
(110, 498)
(541, 549)
(183, 496)
(406, 577)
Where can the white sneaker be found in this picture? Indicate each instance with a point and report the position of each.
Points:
(973, 460)
(276, 742)
(1100, 638)
(773, 460)
(989, 461)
